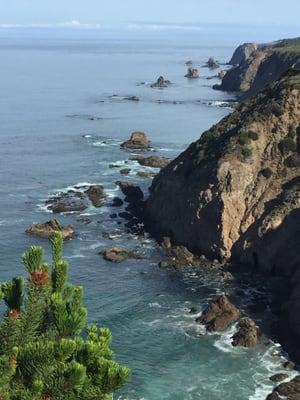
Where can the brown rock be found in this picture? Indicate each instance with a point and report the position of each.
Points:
(152, 161)
(278, 377)
(96, 195)
(219, 314)
(144, 174)
(47, 229)
(71, 201)
(227, 276)
(125, 171)
(117, 255)
(287, 390)
(192, 73)
(247, 335)
(137, 141)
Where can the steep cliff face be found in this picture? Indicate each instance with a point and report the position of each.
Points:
(242, 53)
(231, 188)
(255, 66)
(235, 194)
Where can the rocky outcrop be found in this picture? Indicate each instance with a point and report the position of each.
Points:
(192, 73)
(152, 161)
(255, 66)
(77, 200)
(234, 195)
(219, 315)
(47, 229)
(96, 195)
(137, 141)
(223, 185)
(160, 83)
(287, 390)
(117, 255)
(247, 334)
(212, 63)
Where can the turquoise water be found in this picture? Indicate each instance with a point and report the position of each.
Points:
(51, 86)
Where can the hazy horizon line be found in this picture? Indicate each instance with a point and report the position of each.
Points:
(134, 25)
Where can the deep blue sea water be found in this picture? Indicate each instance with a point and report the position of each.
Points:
(51, 87)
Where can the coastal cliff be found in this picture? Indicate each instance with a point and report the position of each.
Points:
(234, 194)
(256, 65)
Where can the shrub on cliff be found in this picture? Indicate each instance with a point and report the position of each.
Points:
(287, 145)
(43, 355)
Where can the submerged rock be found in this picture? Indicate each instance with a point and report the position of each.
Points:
(247, 335)
(116, 255)
(160, 83)
(152, 161)
(189, 62)
(46, 230)
(219, 314)
(137, 141)
(132, 98)
(192, 73)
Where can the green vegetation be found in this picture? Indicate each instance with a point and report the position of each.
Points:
(245, 137)
(43, 355)
(266, 172)
(287, 145)
(246, 152)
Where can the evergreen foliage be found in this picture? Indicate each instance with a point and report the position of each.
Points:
(43, 354)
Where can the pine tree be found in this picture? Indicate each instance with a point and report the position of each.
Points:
(47, 351)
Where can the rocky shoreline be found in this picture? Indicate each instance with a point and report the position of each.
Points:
(230, 203)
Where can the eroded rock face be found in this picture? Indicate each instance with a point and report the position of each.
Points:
(137, 141)
(242, 53)
(192, 73)
(231, 195)
(46, 230)
(214, 197)
(219, 315)
(247, 334)
(255, 66)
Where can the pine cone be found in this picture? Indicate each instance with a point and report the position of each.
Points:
(40, 278)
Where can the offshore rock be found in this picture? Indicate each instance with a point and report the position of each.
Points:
(219, 315)
(137, 141)
(46, 230)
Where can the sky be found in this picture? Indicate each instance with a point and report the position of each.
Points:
(196, 12)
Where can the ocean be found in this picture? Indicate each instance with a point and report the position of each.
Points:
(63, 115)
